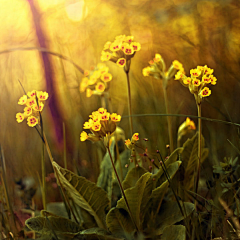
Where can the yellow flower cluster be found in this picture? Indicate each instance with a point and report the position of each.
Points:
(101, 123)
(121, 50)
(157, 68)
(197, 83)
(130, 143)
(95, 81)
(34, 103)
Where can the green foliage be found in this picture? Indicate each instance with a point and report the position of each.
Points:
(85, 194)
(174, 232)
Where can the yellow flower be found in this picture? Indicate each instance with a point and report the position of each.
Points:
(190, 124)
(105, 116)
(177, 65)
(105, 56)
(206, 79)
(106, 77)
(88, 125)
(207, 70)
(116, 46)
(42, 96)
(100, 87)
(32, 93)
(23, 100)
(83, 84)
(121, 62)
(180, 75)
(96, 126)
(157, 58)
(128, 39)
(19, 117)
(38, 107)
(128, 49)
(101, 111)
(128, 143)
(27, 111)
(186, 127)
(146, 71)
(32, 121)
(83, 136)
(31, 102)
(195, 72)
(136, 46)
(115, 117)
(196, 82)
(187, 80)
(107, 45)
(135, 137)
(86, 73)
(89, 92)
(205, 92)
(213, 79)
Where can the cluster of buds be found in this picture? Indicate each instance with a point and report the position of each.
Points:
(130, 143)
(102, 124)
(157, 69)
(197, 83)
(96, 80)
(34, 103)
(120, 51)
(186, 127)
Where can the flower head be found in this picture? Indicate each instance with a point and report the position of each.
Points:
(34, 103)
(135, 137)
(101, 124)
(187, 126)
(205, 92)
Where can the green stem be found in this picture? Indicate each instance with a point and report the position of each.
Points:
(120, 185)
(129, 103)
(64, 147)
(199, 147)
(43, 178)
(168, 119)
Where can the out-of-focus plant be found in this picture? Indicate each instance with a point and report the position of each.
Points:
(34, 103)
(157, 69)
(197, 84)
(121, 51)
(96, 81)
(131, 145)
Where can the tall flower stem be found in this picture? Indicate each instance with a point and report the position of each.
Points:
(199, 144)
(168, 118)
(129, 102)
(120, 185)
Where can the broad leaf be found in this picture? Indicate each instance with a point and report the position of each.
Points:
(174, 232)
(137, 198)
(120, 224)
(132, 177)
(62, 227)
(170, 214)
(85, 194)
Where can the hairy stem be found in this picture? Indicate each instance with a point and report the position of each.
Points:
(129, 103)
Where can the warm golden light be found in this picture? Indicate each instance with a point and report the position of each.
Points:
(76, 11)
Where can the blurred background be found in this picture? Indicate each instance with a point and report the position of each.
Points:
(192, 32)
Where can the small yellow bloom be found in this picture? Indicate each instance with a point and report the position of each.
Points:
(96, 126)
(19, 117)
(157, 58)
(128, 39)
(32, 121)
(116, 46)
(32, 93)
(83, 136)
(105, 56)
(128, 143)
(121, 62)
(105, 116)
(213, 80)
(205, 92)
(206, 79)
(27, 111)
(88, 125)
(136, 46)
(89, 92)
(180, 75)
(42, 96)
(177, 65)
(128, 49)
(135, 137)
(31, 102)
(207, 70)
(146, 71)
(106, 77)
(195, 72)
(92, 80)
(100, 87)
(83, 84)
(187, 80)
(115, 117)
(196, 82)
(23, 100)
(100, 110)
(86, 73)
(107, 45)
(190, 123)
(38, 107)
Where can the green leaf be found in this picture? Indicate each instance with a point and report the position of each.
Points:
(137, 198)
(62, 227)
(85, 194)
(95, 233)
(189, 158)
(120, 224)
(132, 177)
(106, 170)
(174, 232)
(170, 214)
